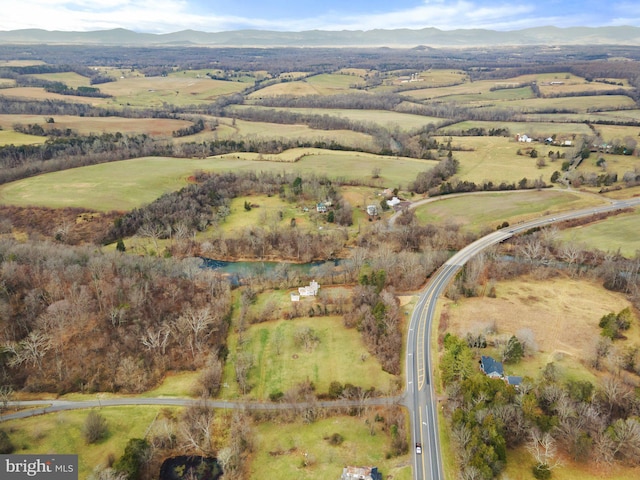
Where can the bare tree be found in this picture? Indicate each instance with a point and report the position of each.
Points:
(542, 447)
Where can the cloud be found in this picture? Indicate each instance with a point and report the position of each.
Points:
(164, 16)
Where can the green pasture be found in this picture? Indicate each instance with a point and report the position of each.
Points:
(283, 448)
(336, 357)
(127, 184)
(119, 185)
(70, 79)
(384, 118)
(614, 234)
(436, 77)
(467, 88)
(617, 133)
(9, 137)
(497, 159)
(323, 84)
(506, 95)
(479, 211)
(61, 433)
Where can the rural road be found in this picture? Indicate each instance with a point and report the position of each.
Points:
(421, 397)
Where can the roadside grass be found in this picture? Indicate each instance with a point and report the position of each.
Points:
(70, 79)
(88, 125)
(384, 118)
(174, 384)
(282, 449)
(9, 137)
(336, 357)
(61, 432)
(480, 211)
(614, 234)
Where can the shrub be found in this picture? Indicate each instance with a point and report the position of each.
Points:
(94, 428)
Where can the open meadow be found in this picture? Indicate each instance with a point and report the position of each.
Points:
(284, 448)
(280, 362)
(62, 433)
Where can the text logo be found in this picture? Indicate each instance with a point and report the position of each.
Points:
(39, 467)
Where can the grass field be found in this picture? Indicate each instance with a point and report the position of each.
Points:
(175, 89)
(282, 449)
(476, 212)
(532, 129)
(564, 328)
(323, 84)
(577, 104)
(404, 121)
(127, 184)
(61, 433)
(618, 233)
(88, 125)
(520, 462)
(337, 357)
(70, 79)
(9, 137)
(36, 93)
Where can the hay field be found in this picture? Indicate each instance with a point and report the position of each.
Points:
(476, 212)
(127, 184)
(611, 133)
(87, 125)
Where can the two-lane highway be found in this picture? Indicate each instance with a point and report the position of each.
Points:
(421, 396)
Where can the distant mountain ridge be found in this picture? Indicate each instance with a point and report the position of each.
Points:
(621, 35)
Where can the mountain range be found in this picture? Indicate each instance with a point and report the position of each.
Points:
(620, 35)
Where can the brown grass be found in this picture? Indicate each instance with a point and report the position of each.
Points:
(563, 313)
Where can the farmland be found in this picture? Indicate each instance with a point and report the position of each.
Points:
(382, 121)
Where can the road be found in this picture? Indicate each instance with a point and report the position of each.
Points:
(421, 399)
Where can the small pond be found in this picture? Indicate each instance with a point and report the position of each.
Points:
(187, 467)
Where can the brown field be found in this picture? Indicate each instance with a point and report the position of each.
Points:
(71, 79)
(87, 125)
(298, 89)
(20, 63)
(563, 314)
(35, 93)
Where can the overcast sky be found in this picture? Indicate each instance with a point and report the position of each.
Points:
(166, 16)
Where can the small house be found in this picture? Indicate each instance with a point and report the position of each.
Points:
(361, 473)
(321, 207)
(491, 368)
(372, 210)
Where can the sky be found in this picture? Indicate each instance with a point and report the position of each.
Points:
(166, 16)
